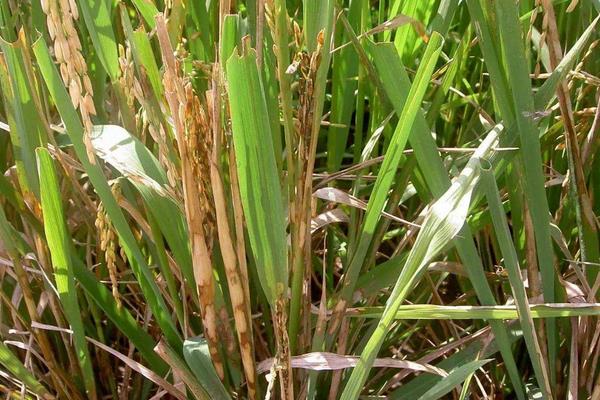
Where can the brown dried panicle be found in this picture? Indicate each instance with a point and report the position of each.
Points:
(127, 78)
(269, 15)
(198, 140)
(298, 34)
(283, 356)
(544, 33)
(308, 66)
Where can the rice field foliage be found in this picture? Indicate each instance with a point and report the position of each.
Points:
(317, 199)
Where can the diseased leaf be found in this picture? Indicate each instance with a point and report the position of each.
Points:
(323, 361)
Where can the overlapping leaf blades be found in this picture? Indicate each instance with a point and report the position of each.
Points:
(243, 122)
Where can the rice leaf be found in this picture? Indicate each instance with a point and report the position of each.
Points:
(14, 366)
(197, 357)
(59, 239)
(148, 11)
(476, 348)
(442, 222)
(94, 171)
(131, 158)
(455, 378)
(98, 20)
(514, 274)
(505, 312)
(258, 176)
(391, 161)
(182, 370)
(26, 128)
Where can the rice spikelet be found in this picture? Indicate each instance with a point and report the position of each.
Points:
(108, 244)
(60, 19)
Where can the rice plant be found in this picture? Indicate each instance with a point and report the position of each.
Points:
(317, 199)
